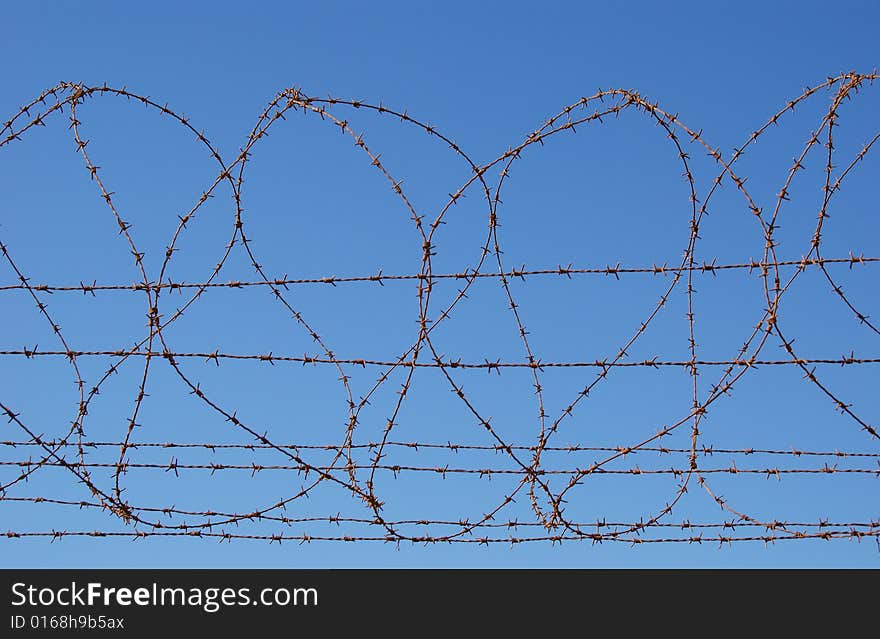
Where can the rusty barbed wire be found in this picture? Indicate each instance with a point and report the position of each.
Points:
(174, 465)
(595, 538)
(380, 278)
(703, 450)
(526, 465)
(337, 519)
(495, 365)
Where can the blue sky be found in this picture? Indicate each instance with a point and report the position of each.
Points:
(486, 75)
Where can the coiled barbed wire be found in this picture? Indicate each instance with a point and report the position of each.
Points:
(524, 462)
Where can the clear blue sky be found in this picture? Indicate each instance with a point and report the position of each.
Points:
(486, 75)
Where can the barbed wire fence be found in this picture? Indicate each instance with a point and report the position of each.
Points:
(351, 467)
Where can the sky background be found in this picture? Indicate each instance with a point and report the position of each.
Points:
(486, 75)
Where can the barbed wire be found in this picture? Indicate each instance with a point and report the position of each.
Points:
(526, 465)
(596, 538)
(380, 278)
(339, 519)
(174, 465)
(571, 448)
(270, 358)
